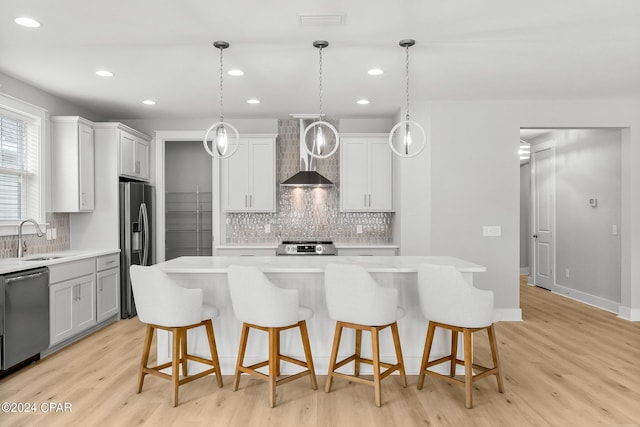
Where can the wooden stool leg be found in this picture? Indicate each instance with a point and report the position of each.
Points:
(273, 364)
(468, 368)
(214, 350)
(454, 353)
(334, 354)
(356, 362)
(175, 367)
(244, 335)
(304, 334)
(375, 348)
(425, 354)
(183, 351)
(396, 344)
(145, 356)
(278, 353)
(494, 355)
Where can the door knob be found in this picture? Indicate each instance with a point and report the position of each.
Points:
(535, 236)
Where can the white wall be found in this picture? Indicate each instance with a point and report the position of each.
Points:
(469, 177)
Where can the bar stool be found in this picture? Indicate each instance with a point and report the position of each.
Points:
(355, 300)
(162, 304)
(259, 304)
(451, 303)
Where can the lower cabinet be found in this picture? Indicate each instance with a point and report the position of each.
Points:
(72, 307)
(108, 296)
(82, 294)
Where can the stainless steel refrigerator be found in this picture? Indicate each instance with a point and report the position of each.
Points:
(136, 243)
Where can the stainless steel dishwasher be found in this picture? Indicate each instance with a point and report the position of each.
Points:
(24, 316)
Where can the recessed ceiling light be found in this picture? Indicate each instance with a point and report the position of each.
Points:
(375, 72)
(363, 101)
(25, 21)
(104, 73)
(253, 101)
(235, 72)
(149, 102)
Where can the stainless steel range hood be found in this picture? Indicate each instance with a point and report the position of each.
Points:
(307, 176)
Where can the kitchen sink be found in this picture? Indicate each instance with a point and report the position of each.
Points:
(42, 258)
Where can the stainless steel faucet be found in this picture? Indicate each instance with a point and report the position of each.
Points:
(20, 242)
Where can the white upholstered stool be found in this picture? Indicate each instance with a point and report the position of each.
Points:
(261, 305)
(448, 301)
(355, 300)
(162, 304)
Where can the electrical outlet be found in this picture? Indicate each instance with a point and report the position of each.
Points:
(267, 228)
(49, 234)
(566, 273)
(54, 234)
(359, 228)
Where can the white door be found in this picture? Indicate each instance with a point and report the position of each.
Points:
(543, 169)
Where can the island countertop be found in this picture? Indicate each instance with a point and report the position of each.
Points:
(305, 273)
(312, 264)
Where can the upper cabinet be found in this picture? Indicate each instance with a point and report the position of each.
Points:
(134, 156)
(72, 161)
(249, 176)
(366, 173)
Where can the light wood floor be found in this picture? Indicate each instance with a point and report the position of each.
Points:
(567, 364)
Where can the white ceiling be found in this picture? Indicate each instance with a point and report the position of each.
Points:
(162, 49)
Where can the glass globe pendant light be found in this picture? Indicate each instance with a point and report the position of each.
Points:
(322, 131)
(221, 141)
(411, 134)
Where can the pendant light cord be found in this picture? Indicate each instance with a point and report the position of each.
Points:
(320, 51)
(407, 78)
(221, 92)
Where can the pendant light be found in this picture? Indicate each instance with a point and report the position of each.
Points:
(411, 142)
(221, 141)
(321, 130)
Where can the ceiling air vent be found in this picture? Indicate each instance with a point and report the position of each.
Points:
(321, 18)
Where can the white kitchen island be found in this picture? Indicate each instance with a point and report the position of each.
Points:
(306, 274)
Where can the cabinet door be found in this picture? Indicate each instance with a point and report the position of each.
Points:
(108, 295)
(84, 307)
(380, 197)
(141, 159)
(235, 179)
(263, 175)
(127, 154)
(86, 167)
(353, 174)
(61, 298)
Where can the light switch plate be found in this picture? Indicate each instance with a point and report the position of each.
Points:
(491, 231)
(359, 229)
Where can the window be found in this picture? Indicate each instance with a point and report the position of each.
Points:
(21, 160)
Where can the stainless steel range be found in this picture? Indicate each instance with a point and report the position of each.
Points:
(297, 247)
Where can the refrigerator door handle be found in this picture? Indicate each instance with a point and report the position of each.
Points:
(144, 218)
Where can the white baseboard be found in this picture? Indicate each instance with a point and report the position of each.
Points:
(508, 314)
(586, 298)
(628, 313)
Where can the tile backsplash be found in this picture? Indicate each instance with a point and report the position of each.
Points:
(37, 245)
(307, 213)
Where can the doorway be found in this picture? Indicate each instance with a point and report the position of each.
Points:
(575, 209)
(187, 200)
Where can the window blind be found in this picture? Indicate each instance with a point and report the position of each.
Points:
(19, 166)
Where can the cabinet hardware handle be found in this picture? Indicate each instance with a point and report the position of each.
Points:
(365, 200)
(100, 288)
(250, 200)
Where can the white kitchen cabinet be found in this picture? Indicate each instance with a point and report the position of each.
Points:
(72, 164)
(249, 176)
(366, 173)
(134, 156)
(72, 307)
(108, 286)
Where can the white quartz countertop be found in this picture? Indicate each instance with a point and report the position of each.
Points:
(312, 264)
(11, 265)
(337, 245)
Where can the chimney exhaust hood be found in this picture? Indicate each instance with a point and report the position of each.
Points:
(307, 176)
